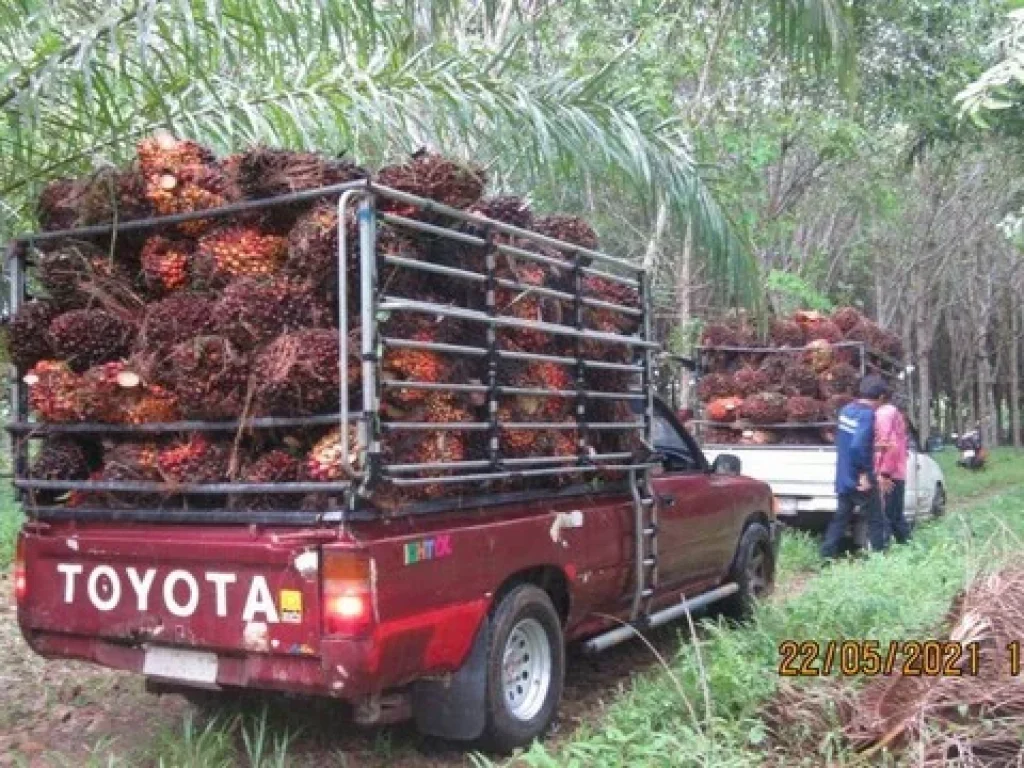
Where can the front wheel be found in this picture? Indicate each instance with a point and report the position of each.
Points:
(753, 571)
(525, 669)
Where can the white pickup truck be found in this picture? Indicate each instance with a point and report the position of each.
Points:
(803, 481)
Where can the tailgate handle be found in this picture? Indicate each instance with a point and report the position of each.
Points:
(667, 500)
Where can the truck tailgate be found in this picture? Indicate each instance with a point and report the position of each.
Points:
(221, 589)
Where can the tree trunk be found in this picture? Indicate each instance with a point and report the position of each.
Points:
(683, 297)
(1014, 365)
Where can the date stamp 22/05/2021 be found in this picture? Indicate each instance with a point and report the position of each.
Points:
(910, 658)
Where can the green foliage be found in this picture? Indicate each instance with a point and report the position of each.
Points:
(791, 292)
(10, 523)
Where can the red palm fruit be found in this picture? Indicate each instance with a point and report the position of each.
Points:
(324, 461)
(719, 335)
(196, 459)
(819, 355)
(239, 252)
(313, 250)
(58, 204)
(88, 337)
(113, 195)
(155, 405)
(131, 462)
(163, 153)
(165, 263)
(804, 410)
(53, 392)
(523, 305)
(265, 172)
(865, 332)
(724, 410)
(610, 320)
(510, 210)
(86, 498)
(74, 273)
(455, 184)
(255, 310)
(749, 381)
(800, 379)
(774, 368)
(764, 408)
(116, 393)
(840, 379)
(547, 376)
(825, 329)
(274, 466)
(890, 344)
(412, 365)
(442, 446)
(569, 229)
(209, 377)
(29, 334)
(787, 333)
(60, 458)
(176, 319)
(189, 189)
(714, 436)
(299, 374)
(715, 385)
(847, 318)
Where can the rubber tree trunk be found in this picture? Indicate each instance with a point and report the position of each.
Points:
(1014, 365)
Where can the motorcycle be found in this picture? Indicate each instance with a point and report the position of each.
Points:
(972, 453)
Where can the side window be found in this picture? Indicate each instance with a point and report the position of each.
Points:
(679, 456)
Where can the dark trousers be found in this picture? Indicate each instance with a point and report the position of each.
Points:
(870, 505)
(894, 512)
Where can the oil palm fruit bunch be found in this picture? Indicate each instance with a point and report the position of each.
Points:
(69, 270)
(724, 410)
(29, 334)
(397, 280)
(429, 175)
(80, 498)
(299, 375)
(759, 437)
(275, 466)
(129, 462)
(238, 251)
(823, 328)
(165, 264)
(800, 379)
(865, 332)
(508, 209)
(313, 249)
(194, 459)
(163, 153)
(111, 195)
(774, 368)
(186, 190)
(176, 319)
(58, 204)
(209, 377)
(117, 393)
(324, 461)
(787, 333)
(846, 318)
(764, 408)
(53, 392)
(569, 229)
(835, 404)
(253, 310)
(714, 386)
(719, 436)
(88, 337)
(819, 355)
(265, 172)
(440, 447)
(544, 376)
(749, 381)
(719, 335)
(839, 379)
(803, 410)
(60, 458)
(527, 306)
(890, 344)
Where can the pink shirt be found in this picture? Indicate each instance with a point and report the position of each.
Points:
(890, 443)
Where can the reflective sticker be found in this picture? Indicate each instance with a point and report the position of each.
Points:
(291, 606)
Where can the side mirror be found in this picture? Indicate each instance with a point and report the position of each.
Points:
(727, 464)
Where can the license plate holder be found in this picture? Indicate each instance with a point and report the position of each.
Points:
(181, 664)
(969, 454)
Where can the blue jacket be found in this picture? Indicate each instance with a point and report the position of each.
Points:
(855, 446)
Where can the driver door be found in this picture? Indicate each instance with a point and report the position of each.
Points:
(692, 512)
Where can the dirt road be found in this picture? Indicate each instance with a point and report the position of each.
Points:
(55, 713)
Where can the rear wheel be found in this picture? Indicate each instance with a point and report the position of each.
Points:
(753, 571)
(525, 668)
(939, 501)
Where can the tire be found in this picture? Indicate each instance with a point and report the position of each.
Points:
(526, 632)
(753, 570)
(939, 502)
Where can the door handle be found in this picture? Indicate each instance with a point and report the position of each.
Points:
(667, 500)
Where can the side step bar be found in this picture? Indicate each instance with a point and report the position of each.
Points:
(664, 616)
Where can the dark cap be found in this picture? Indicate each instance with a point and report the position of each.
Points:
(873, 387)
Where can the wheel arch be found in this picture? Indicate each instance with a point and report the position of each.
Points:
(551, 579)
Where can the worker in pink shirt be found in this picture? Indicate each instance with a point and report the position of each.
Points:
(891, 466)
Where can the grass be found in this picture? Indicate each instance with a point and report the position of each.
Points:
(704, 707)
(10, 522)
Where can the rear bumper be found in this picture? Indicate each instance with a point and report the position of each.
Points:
(342, 671)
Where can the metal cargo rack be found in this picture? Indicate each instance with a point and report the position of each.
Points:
(351, 498)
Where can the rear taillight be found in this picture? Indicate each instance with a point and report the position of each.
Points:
(20, 576)
(348, 593)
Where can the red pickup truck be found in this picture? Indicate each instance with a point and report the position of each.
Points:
(458, 618)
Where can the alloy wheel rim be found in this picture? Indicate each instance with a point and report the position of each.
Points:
(526, 669)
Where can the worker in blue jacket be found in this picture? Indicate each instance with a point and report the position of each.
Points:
(855, 468)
